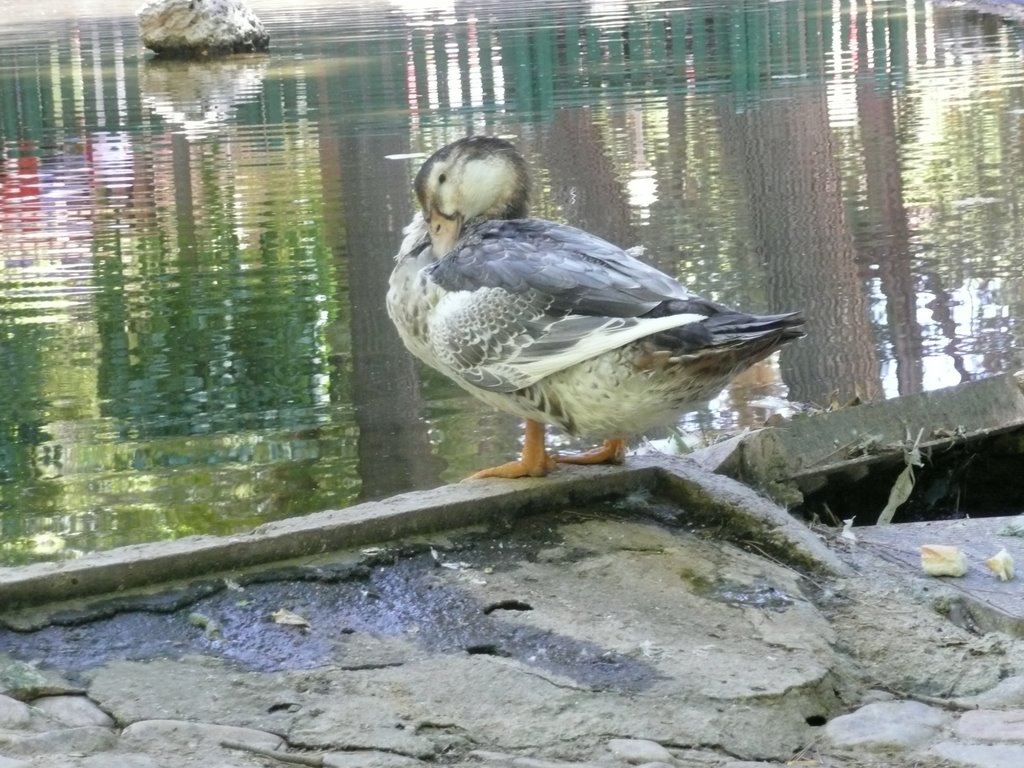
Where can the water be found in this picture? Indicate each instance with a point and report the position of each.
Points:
(193, 257)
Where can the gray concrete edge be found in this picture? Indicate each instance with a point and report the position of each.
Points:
(740, 513)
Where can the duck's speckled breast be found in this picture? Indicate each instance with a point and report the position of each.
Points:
(411, 294)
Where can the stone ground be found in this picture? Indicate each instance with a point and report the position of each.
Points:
(616, 634)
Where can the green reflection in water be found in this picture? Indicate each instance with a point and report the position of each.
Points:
(193, 260)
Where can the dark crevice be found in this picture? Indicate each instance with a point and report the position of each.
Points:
(376, 665)
(507, 605)
(284, 706)
(486, 649)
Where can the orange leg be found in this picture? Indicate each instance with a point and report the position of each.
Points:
(610, 452)
(534, 461)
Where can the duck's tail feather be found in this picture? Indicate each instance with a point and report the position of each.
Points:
(739, 328)
(726, 329)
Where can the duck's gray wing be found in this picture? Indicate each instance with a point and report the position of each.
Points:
(525, 300)
(578, 272)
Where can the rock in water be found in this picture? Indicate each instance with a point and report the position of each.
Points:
(199, 28)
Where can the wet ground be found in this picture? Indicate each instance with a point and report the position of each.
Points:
(384, 593)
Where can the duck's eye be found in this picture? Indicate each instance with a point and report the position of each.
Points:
(437, 229)
(442, 178)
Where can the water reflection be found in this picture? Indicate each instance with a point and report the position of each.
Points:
(196, 99)
(193, 257)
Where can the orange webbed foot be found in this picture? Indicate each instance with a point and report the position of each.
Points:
(610, 452)
(534, 462)
(515, 469)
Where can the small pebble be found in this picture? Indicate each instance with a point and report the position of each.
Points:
(73, 710)
(13, 713)
(143, 732)
(639, 751)
(886, 726)
(1006, 694)
(108, 760)
(991, 725)
(980, 755)
(369, 759)
(60, 741)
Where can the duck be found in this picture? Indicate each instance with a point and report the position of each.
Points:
(554, 324)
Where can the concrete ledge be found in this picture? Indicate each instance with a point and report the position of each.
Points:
(719, 501)
(808, 453)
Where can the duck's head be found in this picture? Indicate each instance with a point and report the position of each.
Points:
(478, 176)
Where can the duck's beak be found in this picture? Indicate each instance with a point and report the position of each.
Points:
(444, 230)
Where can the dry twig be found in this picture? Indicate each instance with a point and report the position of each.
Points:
(317, 761)
(954, 705)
